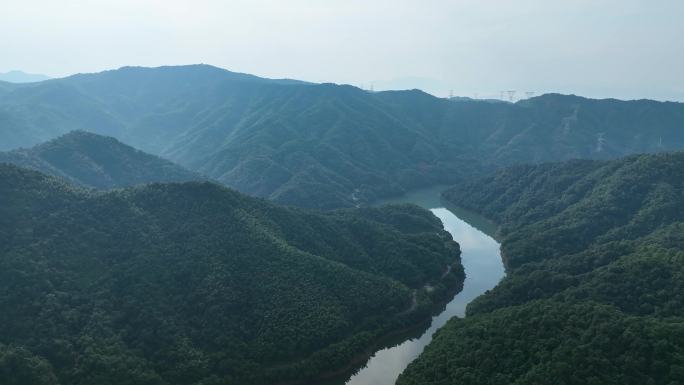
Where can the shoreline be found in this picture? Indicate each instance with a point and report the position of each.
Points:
(381, 343)
(358, 362)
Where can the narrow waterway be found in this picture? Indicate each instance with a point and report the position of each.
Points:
(483, 267)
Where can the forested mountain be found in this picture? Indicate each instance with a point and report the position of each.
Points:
(123, 103)
(194, 283)
(595, 290)
(96, 161)
(325, 145)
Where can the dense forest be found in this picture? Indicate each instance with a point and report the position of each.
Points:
(326, 145)
(193, 283)
(595, 285)
(97, 161)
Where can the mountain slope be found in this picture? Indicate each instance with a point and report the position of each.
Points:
(111, 102)
(97, 161)
(595, 290)
(325, 145)
(197, 284)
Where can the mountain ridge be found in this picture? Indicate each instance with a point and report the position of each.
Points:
(97, 161)
(295, 141)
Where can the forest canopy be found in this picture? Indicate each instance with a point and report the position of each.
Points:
(194, 283)
(595, 285)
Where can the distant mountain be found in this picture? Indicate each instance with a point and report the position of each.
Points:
(21, 77)
(114, 102)
(194, 283)
(326, 145)
(96, 161)
(430, 85)
(595, 288)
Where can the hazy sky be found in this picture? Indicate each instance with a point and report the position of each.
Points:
(600, 48)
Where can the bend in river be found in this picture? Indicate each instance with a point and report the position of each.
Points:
(484, 269)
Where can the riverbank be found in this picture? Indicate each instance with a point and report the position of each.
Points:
(416, 322)
(483, 268)
(339, 377)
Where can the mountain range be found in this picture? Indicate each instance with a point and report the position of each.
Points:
(327, 145)
(126, 266)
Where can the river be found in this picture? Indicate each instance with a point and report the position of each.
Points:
(483, 267)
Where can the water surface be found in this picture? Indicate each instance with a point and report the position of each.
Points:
(483, 268)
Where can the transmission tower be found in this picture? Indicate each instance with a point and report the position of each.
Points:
(511, 95)
(600, 141)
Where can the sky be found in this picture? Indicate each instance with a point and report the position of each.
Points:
(627, 49)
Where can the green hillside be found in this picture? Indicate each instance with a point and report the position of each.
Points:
(96, 161)
(197, 284)
(326, 145)
(595, 290)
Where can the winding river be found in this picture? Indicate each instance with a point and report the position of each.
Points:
(484, 269)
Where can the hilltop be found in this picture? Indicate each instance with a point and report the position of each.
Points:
(96, 161)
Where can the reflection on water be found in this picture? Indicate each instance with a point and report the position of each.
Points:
(483, 267)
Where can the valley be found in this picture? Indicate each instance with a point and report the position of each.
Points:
(190, 225)
(483, 270)
(292, 192)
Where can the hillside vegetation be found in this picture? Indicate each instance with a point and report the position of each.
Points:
(96, 161)
(595, 290)
(197, 284)
(326, 145)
